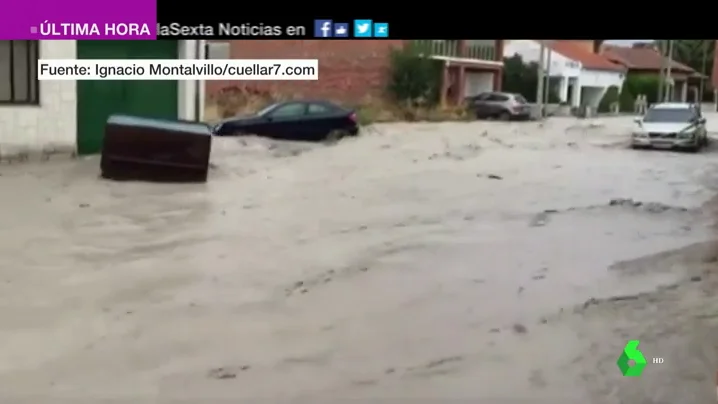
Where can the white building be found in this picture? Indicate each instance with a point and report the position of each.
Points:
(67, 116)
(581, 76)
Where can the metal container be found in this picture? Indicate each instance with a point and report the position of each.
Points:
(146, 149)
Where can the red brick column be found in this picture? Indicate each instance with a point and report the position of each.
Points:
(445, 81)
(499, 54)
(499, 57)
(461, 48)
(498, 73)
(460, 86)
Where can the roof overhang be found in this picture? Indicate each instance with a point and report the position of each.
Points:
(468, 61)
(593, 69)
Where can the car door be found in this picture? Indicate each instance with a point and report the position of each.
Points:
(479, 105)
(321, 119)
(495, 104)
(286, 122)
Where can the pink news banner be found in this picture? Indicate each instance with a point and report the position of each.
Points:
(79, 19)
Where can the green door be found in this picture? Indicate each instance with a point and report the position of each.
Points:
(97, 100)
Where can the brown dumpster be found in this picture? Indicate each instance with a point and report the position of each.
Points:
(148, 149)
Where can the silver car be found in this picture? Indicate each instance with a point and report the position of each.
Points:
(671, 126)
(502, 106)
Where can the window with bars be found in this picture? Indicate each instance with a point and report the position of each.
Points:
(18, 73)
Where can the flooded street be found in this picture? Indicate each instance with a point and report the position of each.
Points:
(492, 262)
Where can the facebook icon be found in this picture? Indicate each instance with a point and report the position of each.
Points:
(322, 28)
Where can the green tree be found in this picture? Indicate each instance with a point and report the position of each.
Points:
(611, 96)
(646, 85)
(522, 78)
(691, 52)
(414, 78)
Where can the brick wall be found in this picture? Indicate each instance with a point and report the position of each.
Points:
(50, 127)
(349, 70)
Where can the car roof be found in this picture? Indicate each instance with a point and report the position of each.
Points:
(673, 105)
(306, 101)
(311, 101)
(501, 93)
(496, 93)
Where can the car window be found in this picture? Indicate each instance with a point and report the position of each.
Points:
(520, 99)
(481, 97)
(498, 97)
(668, 115)
(316, 109)
(266, 109)
(289, 110)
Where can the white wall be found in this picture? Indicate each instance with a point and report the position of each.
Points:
(592, 96)
(478, 82)
(595, 83)
(190, 93)
(600, 78)
(530, 51)
(52, 125)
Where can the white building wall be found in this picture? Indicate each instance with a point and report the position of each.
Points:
(46, 128)
(599, 78)
(51, 127)
(595, 84)
(592, 96)
(530, 51)
(190, 93)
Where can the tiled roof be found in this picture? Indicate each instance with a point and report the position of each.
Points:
(588, 59)
(647, 58)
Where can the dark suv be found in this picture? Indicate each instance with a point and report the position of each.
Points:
(503, 106)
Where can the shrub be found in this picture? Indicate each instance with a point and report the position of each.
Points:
(235, 100)
(642, 84)
(626, 100)
(414, 79)
(611, 96)
(522, 78)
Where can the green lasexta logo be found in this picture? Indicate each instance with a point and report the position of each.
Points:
(631, 353)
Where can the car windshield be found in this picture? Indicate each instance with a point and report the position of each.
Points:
(520, 99)
(668, 115)
(266, 109)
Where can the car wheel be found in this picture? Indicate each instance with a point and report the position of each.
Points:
(695, 148)
(504, 116)
(335, 135)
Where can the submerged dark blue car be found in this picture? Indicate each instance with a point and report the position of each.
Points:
(294, 120)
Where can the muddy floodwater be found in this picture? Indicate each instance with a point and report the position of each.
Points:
(480, 262)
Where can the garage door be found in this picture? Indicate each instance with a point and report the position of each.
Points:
(97, 100)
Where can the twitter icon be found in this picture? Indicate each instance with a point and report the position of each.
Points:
(363, 28)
